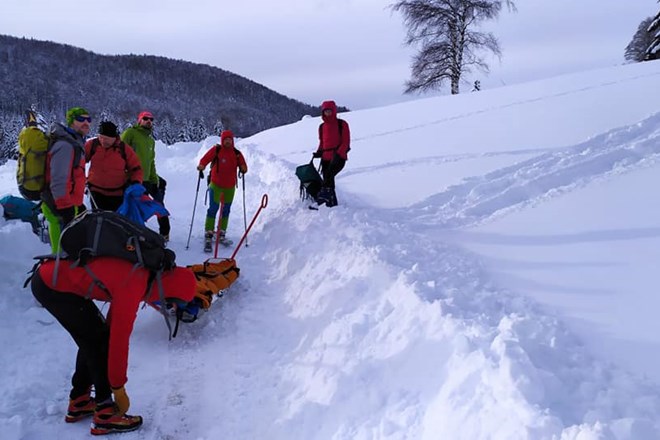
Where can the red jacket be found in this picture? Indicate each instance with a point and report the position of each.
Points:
(329, 140)
(225, 162)
(65, 178)
(108, 172)
(127, 287)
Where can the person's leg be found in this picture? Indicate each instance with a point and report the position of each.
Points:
(228, 197)
(87, 326)
(157, 192)
(214, 205)
(54, 227)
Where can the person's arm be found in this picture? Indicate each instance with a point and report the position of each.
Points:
(242, 165)
(153, 176)
(206, 159)
(345, 141)
(61, 162)
(121, 318)
(133, 167)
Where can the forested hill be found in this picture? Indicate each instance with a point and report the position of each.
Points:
(190, 101)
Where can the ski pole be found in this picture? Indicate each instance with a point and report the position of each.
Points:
(244, 213)
(264, 203)
(201, 176)
(218, 228)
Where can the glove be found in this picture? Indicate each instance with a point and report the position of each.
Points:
(317, 154)
(66, 214)
(121, 399)
(200, 167)
(201, 174)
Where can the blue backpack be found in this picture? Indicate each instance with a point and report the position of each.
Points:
(17, 208)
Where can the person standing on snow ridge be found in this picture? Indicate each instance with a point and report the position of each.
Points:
(102, 359)
(65, 173)
(334, 144)
(140, 138)
(225, 159)
(113, 166)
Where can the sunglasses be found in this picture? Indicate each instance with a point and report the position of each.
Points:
(83, 118)
(147, 119)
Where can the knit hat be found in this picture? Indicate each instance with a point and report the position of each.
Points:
(107, 128)
(73, 112)
(143, 114)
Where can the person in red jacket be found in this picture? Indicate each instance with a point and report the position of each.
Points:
(102, 357)
(225, 160)
(113, 166)
(65, 173)
(334, 144)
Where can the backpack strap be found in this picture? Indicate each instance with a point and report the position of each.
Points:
(96, 143)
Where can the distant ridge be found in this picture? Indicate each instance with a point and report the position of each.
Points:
(190, 101)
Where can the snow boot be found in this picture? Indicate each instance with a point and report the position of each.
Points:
(80, 407)
(107, 420)
(208, 241)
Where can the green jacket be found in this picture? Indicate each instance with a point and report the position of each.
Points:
(145, 147)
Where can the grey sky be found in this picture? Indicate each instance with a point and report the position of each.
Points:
(311, 50)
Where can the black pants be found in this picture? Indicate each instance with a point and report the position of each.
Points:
(105, 202)
(89, 330)
(157, 192)
(329, 169)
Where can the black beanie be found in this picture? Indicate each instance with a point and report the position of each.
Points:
(107, 128)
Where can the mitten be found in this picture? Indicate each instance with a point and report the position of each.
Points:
(121, 399)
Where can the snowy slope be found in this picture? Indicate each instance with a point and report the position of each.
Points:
(476, 282)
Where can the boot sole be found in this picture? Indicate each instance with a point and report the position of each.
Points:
(78, 417)
(97, 429)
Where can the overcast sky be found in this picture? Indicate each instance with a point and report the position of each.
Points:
(311, 50)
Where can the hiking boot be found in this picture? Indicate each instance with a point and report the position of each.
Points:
(79, 408)
(107, 420)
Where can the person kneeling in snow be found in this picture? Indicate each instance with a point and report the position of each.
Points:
(102, 357)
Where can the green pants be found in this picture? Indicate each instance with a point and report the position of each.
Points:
(54, 227)
(214, 204)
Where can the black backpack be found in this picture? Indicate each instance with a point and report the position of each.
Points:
(106, 233)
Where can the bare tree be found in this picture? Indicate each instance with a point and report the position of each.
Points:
(641, 41)
(450, 43)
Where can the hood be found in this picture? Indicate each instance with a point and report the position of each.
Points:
(329, 105)
(226, 134)
(60, 132)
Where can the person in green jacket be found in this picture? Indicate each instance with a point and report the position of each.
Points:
(140, 138)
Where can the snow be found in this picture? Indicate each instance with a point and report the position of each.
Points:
(490, 273)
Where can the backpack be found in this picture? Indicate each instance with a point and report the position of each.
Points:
(310, 180)
(106, 233)
(340, 126)
(95, 145)
(32, 149)
(17, 208)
